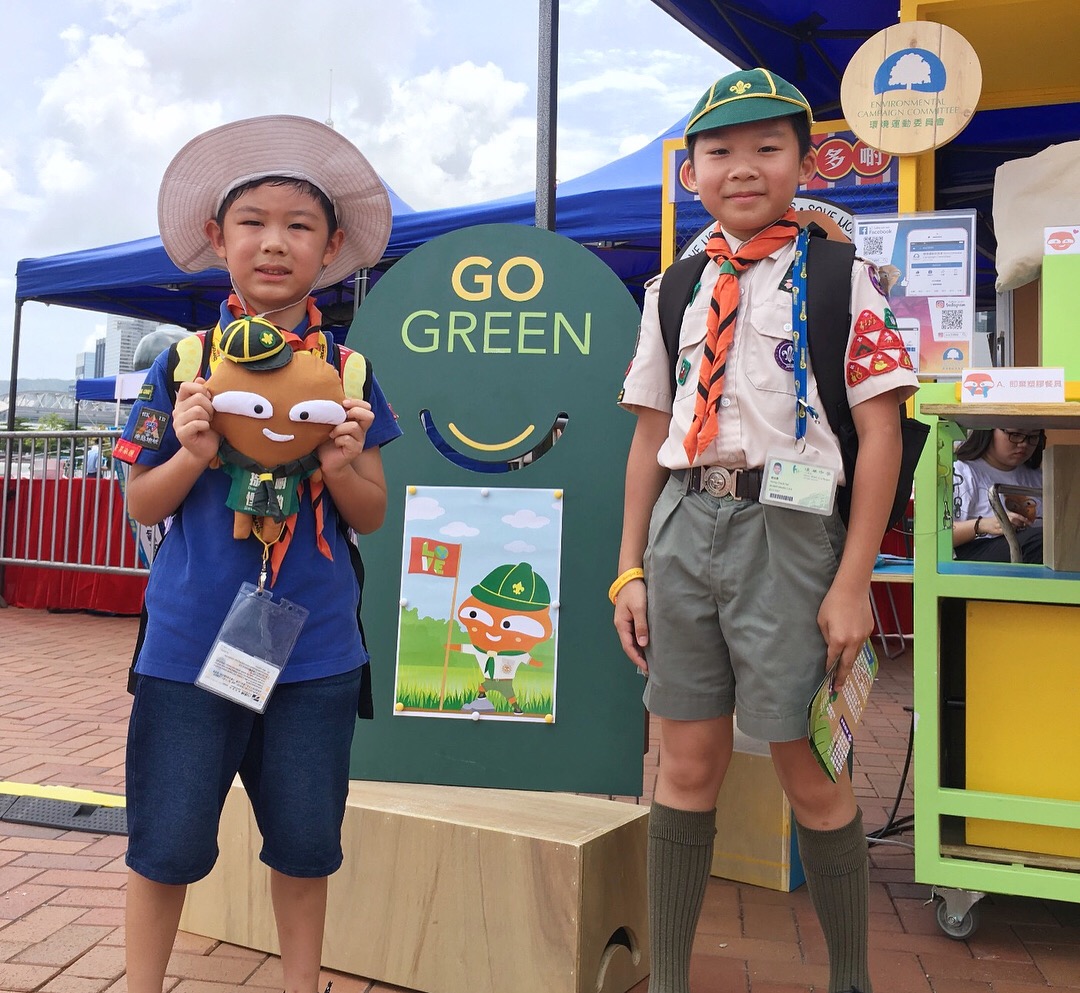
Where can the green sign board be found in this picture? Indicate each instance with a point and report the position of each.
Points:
(494, 660)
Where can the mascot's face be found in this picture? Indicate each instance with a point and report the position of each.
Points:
(499, 629)
(277, 415)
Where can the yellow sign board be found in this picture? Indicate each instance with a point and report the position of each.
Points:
(911, 87)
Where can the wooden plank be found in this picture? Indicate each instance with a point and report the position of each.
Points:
(1014, 415)
(1004, 856)
(1061, 508)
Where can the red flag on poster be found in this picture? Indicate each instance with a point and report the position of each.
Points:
(435, 558)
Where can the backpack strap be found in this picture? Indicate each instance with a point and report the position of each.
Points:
(188, 359)
(828, 323)
(828, 320)
(677, 288)
(828, 316)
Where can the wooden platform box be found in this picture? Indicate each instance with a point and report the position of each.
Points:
(755, 828)
(458, 890)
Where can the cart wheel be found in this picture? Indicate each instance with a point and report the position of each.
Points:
(958, 929)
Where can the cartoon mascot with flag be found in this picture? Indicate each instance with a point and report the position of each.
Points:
(507, 615)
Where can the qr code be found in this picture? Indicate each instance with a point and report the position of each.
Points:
(873, 245)
(952, 320)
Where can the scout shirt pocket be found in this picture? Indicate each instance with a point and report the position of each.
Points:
(766, 351)
(688, 364)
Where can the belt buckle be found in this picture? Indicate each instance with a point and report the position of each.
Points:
(718, 481)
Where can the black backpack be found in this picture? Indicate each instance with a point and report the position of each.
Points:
(828, 319)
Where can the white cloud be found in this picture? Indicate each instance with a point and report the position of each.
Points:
(420, 508)
(526, 519)
(520, 548)
(58, 171)
(459, 529)
(462, 134)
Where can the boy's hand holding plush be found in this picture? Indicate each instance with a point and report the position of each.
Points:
(346, 441)
(192, 414)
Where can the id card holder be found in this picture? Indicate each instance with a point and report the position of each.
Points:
(798, 485)
(251, 648)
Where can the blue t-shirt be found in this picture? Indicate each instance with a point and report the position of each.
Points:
(200, 566)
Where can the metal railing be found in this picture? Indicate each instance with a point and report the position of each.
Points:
(52, 515)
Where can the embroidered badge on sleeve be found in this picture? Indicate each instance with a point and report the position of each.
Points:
(876, 348)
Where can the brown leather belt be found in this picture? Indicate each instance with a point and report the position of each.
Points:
(742, 484)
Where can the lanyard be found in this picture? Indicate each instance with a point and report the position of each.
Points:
(800, 349)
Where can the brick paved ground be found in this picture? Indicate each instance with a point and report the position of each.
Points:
(63, 713)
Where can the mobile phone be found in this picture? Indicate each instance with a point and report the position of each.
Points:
(937, 262)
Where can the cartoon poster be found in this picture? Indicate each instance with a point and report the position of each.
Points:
(478, 628)
(926, 263)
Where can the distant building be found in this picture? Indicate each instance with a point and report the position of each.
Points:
(85, 365)
(99, 358)
(122, 335)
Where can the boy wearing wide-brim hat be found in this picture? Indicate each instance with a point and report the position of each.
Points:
(727, 598)
(287, 206)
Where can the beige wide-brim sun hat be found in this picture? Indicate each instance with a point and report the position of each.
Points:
(212, 164)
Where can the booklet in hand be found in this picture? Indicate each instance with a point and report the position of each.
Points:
(832, 715)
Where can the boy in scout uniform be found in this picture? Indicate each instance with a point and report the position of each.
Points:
(738, 583)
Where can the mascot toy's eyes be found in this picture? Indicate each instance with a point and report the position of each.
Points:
(243, 403)
(317, 412)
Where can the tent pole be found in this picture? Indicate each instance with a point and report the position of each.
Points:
(547, 85)
(13, 387)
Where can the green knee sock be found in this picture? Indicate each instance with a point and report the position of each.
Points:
(838, 878)
(680, 857)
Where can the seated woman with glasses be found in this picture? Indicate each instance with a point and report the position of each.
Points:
(1008, 456)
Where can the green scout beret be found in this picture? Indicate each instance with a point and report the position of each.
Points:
(255, 343)
(746, 95)
(513, 586)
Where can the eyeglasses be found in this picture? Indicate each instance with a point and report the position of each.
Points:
(1021, 438)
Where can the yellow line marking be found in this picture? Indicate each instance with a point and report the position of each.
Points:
(64, 793)
(480, 446)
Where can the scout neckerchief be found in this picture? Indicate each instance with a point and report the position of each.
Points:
(311, 339)
(720, 323)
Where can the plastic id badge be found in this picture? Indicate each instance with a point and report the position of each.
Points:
(798, 485)
(252, 647)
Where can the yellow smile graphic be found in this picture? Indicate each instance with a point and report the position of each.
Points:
(481, 447)
(460, 458)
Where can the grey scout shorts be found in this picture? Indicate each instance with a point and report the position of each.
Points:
(734, 589)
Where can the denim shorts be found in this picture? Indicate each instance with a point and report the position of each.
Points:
(734, 588)
(186, 745)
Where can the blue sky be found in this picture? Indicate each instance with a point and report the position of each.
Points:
(439, 94)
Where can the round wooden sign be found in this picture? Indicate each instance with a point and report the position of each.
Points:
(911, 87)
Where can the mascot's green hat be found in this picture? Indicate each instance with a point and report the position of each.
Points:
(513, 586)
(255, 343)
(746, 95)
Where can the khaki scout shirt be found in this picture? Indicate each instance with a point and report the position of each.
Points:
(757, 412)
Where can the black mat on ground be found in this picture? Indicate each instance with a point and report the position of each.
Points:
(69, 815)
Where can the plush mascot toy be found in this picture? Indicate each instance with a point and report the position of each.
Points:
(273, 407)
